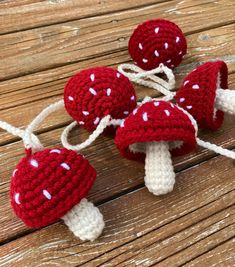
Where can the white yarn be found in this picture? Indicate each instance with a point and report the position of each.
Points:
(27, 138)
(225, 100)
(104, 122)
(159, 172)
(216, 149)
(20, 133)
(85, 220)
(139, 76)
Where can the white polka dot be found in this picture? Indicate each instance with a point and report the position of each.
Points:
(189, 107)
(182, 99)
(135, 111)
(108, 91)
(140, 46)
(172, 105)
(166, 45)
(55, 151)
(14, 172)
(126, 112)
(81, 122)
(168, 61)
(145, 60)
(133, 98)
(156, 29)
(156, 103)
(65, 166)
(86, 113)
(145, 116)
(177, 39)
(167, 112)
(180, 53)
(70, 98)
(156, 53)
(172, 65)
(17, 198)
(186, 82)
(34, 163)
(195, 86)
(96, 121)
(92, 77)
(92, 91)
(118, 74)
(122, 124)
(46, 194)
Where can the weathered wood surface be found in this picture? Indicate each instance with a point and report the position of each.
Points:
(41, 46)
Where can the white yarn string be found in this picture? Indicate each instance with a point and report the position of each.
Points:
(106, 121)
(216, 149)
(20, 133)
(142, 77)
(27, 138)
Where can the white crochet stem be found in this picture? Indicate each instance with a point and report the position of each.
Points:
(106, 121)
(216, 149)
(159, 172)
(28, 141)
(20, 133)
(142, 77)
(225, 100)
(85, 220)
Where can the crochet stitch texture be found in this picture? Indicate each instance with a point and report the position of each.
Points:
(156, 121)
(49, 183)
(197, 94)
(94, 93)
(157, 41)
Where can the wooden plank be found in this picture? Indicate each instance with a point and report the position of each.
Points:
(106, 159)
(57, 45)
(34, 92)
(57, 11)
(193, 238)
(132, 217)
(222, 255)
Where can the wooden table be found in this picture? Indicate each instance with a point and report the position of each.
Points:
(43, 43)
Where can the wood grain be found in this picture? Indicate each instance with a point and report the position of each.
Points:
(43, 43)
(57, 45)
(130, 218)
(57, 11)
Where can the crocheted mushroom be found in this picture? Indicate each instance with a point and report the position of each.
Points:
(157, 41)
(152, 133)
(52, 184)
(202, 94)
(94, 93)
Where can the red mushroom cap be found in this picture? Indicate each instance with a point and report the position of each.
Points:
(157, 41)
(156, 121)
(94, 93)
(198, 92)
(47, 184)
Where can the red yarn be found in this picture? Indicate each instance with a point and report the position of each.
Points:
(157, 41)
(94, 93)
(47, 184)
(198, 91)
(156, 121)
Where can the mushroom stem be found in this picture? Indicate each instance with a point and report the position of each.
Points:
(159, 172)
(85, 220)
(225, 100)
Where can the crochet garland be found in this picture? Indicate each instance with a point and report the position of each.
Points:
(52, 184)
